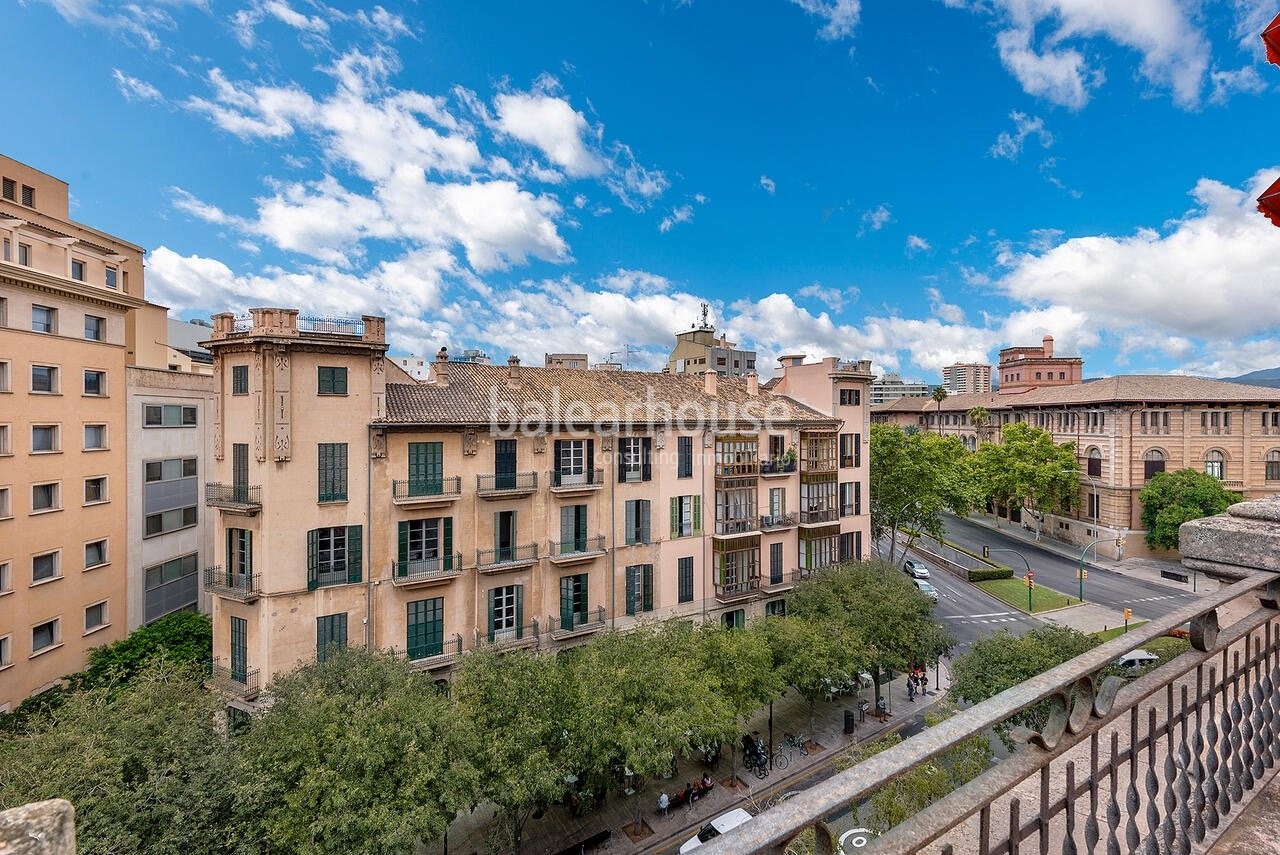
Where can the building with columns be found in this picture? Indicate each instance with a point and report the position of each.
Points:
(510, 505)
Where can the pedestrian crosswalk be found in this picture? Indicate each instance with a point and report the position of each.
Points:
(992, 617)
(1161, 597)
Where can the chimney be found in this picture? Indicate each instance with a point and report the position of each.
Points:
(513, 371)
(753, 384)
(1048, 346)
(709, 382)
(724, 340)
(441, 367)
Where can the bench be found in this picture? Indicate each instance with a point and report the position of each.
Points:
(1175, 575)
(587, 843)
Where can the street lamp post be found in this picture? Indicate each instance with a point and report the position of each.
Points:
(990, 549)
(1080, 569)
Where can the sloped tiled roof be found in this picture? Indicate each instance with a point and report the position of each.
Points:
(477, 394)
(1149, 389)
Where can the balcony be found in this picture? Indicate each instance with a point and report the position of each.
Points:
(427, 571)
(746, 469)
(778, 468)
(510, 485)
(579, 623)
(512, 637)
(736, 527)
(1197, 731)
(242, 587)
(566, 483)
(233, 498)
(429, 659)
(819, 516)
(785, 583)
(734, 592)
(821, 463)
(239, 683)
(427, 491)
(574, 551)
(775, 522)
(506, 558)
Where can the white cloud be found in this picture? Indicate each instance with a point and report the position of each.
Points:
(1009, 145)
(939, 307)
(134, 89)
(133, 21)
(916, 244)
(875, 219)
(768, 184)
(625, 281)
(552, 126)
(1228, 83)
(841, 16)
(635, 186)
(1042, 240)
(834, 299)
(680, 214)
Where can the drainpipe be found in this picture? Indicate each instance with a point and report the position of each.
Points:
(613, 532)
(368, 550)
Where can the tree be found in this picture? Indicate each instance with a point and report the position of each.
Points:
(1027, 469)
(1172, 498)
(811, 655)
(516, 706)
(980, 418)
(738, 666)
(1000, 661)
(356, 754)
(914, 477)
(939, 395)
(145, 763)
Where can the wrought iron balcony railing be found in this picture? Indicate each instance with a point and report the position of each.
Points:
(234, 585)
(584, 547)
(737, 526)
(577, 623)
(741, 590)
(590, 479)
(233, 497)
(820, 515)
(423, 490)
(331, 326)
(780, 466)
(506, 484)
(435, 654)
(506, 556)
(233, 680)
(511, 636)
(776, 521)
(1162, 760)
(427, 571)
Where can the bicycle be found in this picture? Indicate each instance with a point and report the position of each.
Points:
(796, 742)
(781, 757)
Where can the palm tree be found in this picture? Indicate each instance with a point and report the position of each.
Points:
(939, 395)
(980, 418)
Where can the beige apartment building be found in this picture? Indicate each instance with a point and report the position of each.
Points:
(509, 505)
(966, 378)
(1125, 429)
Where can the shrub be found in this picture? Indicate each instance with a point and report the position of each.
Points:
(982, 574)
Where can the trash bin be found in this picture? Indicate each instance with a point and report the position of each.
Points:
(850, 722)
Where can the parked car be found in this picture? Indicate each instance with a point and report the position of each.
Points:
(915, 569)
(1135, 660)
(716, 827)
(927, 589)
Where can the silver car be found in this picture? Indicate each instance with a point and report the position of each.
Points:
(927, 589)
(915, 569)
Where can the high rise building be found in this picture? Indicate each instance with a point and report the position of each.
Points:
(965, 378)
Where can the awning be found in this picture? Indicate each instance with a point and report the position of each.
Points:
(1271, 38)
(1269, 203)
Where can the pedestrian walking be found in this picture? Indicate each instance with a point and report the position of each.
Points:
(911, 688)
(664, 802)
(882, 709)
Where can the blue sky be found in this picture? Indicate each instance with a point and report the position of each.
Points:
(915, 182)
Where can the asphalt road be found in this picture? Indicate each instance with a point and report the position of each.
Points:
(1106, 587)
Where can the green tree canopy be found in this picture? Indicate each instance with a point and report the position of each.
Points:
(809, 654)
(914, 478)
(1172, 498)
(980, 418)
(1028, 469)
(356, 754)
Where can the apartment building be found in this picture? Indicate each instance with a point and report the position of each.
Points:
(1125, 429)
(68, 294)
(1022, 368)
(509, 505)
(700, 349)
(966, 378)
(891, 386)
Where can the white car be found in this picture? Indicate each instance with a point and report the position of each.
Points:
(927, 589)
(716, 827)
(915, 569)
(1136, 659)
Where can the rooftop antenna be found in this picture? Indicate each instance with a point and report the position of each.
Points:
(626, 352)
(705, 325)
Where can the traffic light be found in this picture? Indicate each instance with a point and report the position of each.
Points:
(986, 552)
(1128, 613)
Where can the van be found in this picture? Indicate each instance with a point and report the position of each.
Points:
(718, 826)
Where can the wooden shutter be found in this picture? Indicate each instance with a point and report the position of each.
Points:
(519, 611)
(589, 462)
(697, 513)
(633, 581)
(415, 629)
(675, 517)
(643, 507)
(355, 556)
(446, 539)
(647, 580)
(646, 459)
(622, 458)
(580, 527)
(313, 559)
(566, 528)
(566, 602)
(628, 524)
(492, 597)
(402, 565)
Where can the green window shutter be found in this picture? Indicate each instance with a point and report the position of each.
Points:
(313, 558)
(580, 529)
(644, 521)
(402, 565)
(675, 517)
(230, 554)
(566, 528)
(697, 513)
(355, 556)
(648, 587)
(633, 579)
(492, 597)
(414, 628)
(340, 381)
(628, 526)
(519, 611)
(435, 626)
(324, 380)
(566, 602)
(447, 537)
(589, 463)
(248, 553)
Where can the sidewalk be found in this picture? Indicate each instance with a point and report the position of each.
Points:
(558, 829)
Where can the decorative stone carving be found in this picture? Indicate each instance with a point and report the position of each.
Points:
(282, 447)
(377, 365)
(378, 445)
(606, 442)
(282, 362)
(540, 444)
(660, 440)
(708, 439)
(469, 443)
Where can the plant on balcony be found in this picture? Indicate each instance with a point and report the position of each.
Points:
(1172, 498)
(790, 456)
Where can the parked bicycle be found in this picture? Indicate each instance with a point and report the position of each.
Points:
(796, 742)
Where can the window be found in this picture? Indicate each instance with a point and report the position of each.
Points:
(6, 505)
(94, 327)
(639, 588)
(333, 556)
(95, 437)
(240, 554)
(573, 601)
(425, 625)
(110, 277)
(95, 490)
(169, 470)
(44, 567)
(426, 546)
(775, 608)
(850, 450)
(332, 472)
(44, 319)
(735, 619)
(684, 579)
(1215, 464)
(239, 379)
(684, 457)
(1273, 466)
(171, 586)
(44, 636)
(239, 649)
(170, 520)
(168, 415)
(426, 468)
(46, 497)
(24, 254)
(95, 554)
(28, 196)
(95, 617)
(1094, 463)
(775, 564)
(331, 632)
(6, 576)
(45, 438)
(686, 516)
(1094, 505)
(777, 502)
(573, 529)
(736, 506)
(634, 458)
(10, 190)
(331, 380)
(4, 364)
(506, 612)
(850, 397)
(574, 462)
(95, 382)
(850, 498)
(636, 521)
(1037, 375)
(44, 378)
(77, 269)
(1152, 464)
(6, 651)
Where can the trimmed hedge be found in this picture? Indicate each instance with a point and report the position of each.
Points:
(982, 574)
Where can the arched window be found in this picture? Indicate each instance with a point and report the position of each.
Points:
(1095, 462)
(1273, 465)
(1152, 464)
(1215, 464)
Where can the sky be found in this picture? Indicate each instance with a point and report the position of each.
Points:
(916, 182)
